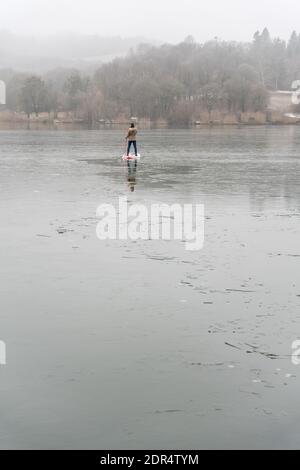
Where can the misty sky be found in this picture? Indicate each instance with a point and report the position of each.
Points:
(166, 20)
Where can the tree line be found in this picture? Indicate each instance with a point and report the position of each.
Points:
(171, 82)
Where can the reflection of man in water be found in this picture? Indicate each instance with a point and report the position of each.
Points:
(131, 178)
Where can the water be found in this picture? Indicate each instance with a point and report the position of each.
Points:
(123, 344)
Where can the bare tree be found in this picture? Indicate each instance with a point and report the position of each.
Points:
(33, 96)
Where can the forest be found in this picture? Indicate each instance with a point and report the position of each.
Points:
(170, 82)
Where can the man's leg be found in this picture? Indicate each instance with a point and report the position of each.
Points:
(128, 147)
(135, 148)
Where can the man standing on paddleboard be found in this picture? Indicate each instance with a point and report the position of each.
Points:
(131, 138)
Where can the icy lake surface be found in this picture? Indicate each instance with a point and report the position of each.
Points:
(142, 344)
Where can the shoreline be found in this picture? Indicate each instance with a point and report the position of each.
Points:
(271, 117)
(31, 125)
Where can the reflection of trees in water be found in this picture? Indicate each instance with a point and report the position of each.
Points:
(280, 184)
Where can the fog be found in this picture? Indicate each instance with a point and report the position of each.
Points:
(167, 20)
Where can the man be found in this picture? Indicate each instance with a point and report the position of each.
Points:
(131, 138)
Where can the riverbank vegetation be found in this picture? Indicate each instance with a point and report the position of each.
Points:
(175, 83)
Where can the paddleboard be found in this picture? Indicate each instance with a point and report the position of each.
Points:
(131, 157)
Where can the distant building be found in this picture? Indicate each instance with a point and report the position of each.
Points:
(283, 103)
